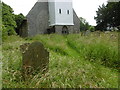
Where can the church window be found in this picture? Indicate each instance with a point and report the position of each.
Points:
(60, 11)
(68, 11)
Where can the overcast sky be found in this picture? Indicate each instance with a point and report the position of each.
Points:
(84, 8)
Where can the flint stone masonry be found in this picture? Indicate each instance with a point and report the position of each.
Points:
(37, 22)
(35, 58)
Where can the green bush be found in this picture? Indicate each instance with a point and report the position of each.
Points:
(92, 29)
(4, 32)
(10, 22)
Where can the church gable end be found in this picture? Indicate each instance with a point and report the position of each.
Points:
(45, 17)
(38, 19)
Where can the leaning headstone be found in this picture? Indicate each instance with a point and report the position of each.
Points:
(35, 58)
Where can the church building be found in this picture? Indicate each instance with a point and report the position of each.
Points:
(50, 16)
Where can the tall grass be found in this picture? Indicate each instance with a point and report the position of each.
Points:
(75, 61)
(96, 49)
(0, 65)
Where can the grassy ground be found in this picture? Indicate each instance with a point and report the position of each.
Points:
(0, 66)
(75, 61)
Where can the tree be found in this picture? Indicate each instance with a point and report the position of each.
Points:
(108, 16)
(8, 19)
(114, 11)
(84, 25)
(10, 22)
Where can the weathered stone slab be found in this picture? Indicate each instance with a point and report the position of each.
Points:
(35, 58)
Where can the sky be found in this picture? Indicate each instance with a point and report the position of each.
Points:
(84, 8)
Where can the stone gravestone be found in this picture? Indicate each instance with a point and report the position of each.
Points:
(87, 32)
(35, 58)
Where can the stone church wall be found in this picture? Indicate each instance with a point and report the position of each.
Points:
(37, 22)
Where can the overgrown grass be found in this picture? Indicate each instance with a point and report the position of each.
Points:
(75, 61)
(97, 49)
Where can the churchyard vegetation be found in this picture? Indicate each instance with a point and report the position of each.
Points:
(108, 16)
(10, 21)
(75, 61)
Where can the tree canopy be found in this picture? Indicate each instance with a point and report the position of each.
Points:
(10, 22)
(108, 16)
(8, 19)
(84, 25)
